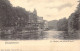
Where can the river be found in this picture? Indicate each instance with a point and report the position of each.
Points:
(53, 34)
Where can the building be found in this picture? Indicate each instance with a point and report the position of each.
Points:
(45, 25)
(40, 24)
(32, 25)
(35, 23)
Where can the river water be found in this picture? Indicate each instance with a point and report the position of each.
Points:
(53, 34)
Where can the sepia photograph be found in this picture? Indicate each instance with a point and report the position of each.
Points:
(39, 25)
(38, 20)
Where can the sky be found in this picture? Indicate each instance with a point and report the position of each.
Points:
(48, 9)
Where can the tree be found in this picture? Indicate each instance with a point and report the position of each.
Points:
(22, 16)
(5, 8)
(62, 24)
(73, 21)
(9, 16)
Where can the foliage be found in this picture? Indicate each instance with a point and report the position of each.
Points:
(73, 21)
(12, 16)
(62, 24)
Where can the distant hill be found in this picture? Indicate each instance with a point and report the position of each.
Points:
(52, 24)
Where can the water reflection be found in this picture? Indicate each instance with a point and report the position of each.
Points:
(64, 35)
(56, 35)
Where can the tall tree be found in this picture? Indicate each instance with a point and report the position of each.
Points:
(62, 24)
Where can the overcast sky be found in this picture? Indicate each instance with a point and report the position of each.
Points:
(48, 9)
